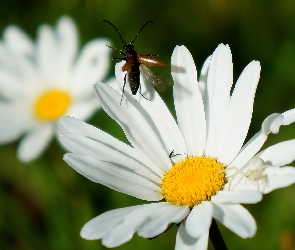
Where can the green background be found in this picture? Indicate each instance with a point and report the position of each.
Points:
(44, 204)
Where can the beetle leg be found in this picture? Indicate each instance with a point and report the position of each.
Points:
(119, 50)
(123, 88)
(142, 94)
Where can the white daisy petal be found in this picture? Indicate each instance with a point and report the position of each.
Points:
(101, 225)
(67, 34)
(34, 143)
(199, 220)
(239, 114)
(10, 132)
(25, 73)
(120, 75)
(84, 109)
(67, 45)
(158, 221)
(232, 197)
(12, 126)
(203, 78)
(188, 101)
(133, 221)
(135, 127)
(158, 116)
(279, 154)
(114, 177)
(277, 178)
(18, 41)
(15, 86)
(46, 47)
(289, 117)
(236, 218)
(112, 82)
(185, 242)
(92, 66)
(219, 82)
(5, 55)
(99, 151)
(270, 125)
(75, 126)
(118, 226)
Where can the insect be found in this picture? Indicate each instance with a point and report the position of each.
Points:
(254, 173)
(136, 64)
(172, 154)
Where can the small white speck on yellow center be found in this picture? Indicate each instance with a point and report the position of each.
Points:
(51, 105)
(193, 180)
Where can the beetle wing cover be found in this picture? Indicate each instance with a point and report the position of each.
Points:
(149, 61)
(129, 63)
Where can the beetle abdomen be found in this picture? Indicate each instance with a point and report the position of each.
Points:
(134, 78)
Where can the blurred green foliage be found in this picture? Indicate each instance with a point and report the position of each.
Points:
(44, 204)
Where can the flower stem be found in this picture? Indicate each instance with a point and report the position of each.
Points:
(216, 237)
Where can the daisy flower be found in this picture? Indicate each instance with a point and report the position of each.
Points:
(192, 171)
(39, 82)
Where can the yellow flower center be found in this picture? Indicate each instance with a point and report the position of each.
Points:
(193, 180)
(51, 105)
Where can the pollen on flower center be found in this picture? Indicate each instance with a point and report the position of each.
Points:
(193, 180)
(51, 105)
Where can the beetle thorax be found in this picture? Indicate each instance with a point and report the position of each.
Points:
(129, 49)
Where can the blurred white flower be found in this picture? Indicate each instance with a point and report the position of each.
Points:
(39, 82)
(198, 168)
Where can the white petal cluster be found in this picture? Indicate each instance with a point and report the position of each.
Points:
(212, 121)
(28, 69)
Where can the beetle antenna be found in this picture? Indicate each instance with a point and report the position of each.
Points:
(140, 31)
(114, 28)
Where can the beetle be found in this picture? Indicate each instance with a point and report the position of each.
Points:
(136, 64)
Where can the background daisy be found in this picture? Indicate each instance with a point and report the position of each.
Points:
(197, 183)
(41, 81)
